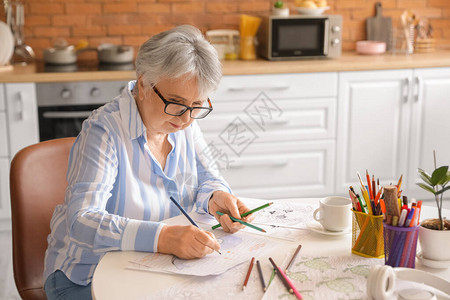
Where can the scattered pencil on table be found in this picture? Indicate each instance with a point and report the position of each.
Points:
(286, 281)
(187, 216)
(250, 268)
(242, 222)
(261, 277)
(293, 258)
(247, 213)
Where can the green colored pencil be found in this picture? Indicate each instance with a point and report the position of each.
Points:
(242, 222)
(272, 276)
(247, 213)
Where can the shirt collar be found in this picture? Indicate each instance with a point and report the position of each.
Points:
(129, 113)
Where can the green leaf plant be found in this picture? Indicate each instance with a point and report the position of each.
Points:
(436, 183)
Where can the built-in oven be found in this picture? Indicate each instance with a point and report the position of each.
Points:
(63, 106)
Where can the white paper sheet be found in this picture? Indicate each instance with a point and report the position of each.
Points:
(235, 248)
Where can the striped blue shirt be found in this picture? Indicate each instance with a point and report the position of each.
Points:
(117, 192)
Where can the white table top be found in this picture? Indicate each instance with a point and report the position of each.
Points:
(112, 280)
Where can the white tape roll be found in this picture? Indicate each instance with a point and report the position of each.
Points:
(381, 283)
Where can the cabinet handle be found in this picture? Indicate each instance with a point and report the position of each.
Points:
(259, 163)
(406, 90)
(278, 122)
(417, 88)
(280, 86)
(20, 106)
(66, 114)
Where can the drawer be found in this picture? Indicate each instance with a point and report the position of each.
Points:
(279, 170)
(248, 87)
(273, 120)
(2, 97)
(3, 136)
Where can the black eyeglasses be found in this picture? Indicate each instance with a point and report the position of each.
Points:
(177, 109)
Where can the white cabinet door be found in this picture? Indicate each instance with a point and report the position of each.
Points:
(22, 115)
(430, 124)
(4, 189)
(373, 125)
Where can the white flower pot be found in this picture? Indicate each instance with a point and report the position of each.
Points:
(282, 12)
(434, 244)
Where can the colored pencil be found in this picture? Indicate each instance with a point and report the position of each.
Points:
(369, 184)
(242, 222)
(247, 213)
(187, 216)
(252, 262)
(293, 258)
(272, 276)
(261, 277)
(286, 281)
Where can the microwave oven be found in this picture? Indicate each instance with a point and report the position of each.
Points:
(300, 37)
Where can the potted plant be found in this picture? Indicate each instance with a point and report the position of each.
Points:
(434, 234)
(278, 9)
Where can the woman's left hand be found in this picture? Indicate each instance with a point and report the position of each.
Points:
(228, 204)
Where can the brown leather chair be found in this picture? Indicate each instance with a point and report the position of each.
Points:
(38, 184)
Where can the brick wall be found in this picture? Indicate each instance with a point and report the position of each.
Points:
(133, 21)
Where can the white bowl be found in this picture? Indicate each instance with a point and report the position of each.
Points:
(312, 11)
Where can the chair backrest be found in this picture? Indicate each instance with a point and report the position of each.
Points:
(37, 185)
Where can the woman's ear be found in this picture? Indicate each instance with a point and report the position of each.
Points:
(140, 89)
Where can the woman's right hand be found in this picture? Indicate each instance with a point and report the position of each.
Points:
(186, 242)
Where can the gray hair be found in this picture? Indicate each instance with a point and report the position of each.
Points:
(176, 52)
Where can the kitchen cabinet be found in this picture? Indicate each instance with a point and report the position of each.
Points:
(18, 128)
(389, 122)
(274, 135)
(430, 126)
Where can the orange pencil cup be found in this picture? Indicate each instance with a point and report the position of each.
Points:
(400, 246)
(367, 235)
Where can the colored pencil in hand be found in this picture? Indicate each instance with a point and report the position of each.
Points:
(187, 216)
(252, 262)
(247, 213)
(242, 222)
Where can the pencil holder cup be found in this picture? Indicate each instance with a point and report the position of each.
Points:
(367, 235)
(400, 246)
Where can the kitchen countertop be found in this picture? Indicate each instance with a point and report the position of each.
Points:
(349, 61)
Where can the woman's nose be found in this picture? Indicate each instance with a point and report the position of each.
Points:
(186, 117)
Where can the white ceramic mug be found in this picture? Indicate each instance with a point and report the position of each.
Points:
(335, 213)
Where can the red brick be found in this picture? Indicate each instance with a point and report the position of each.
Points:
(86, 31)
(33, 20)
(153, 8)
(44, 31)
(108, 19)
(65, 20)
(124, 30)
(221, 7)
(188, 7)
(439, 3)
(77, 8)
(254, 6)
(46, 9)
(119, 7)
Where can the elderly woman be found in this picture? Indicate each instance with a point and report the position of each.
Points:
(131, 156)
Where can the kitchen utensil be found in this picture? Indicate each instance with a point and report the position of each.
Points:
(407, 19)
(7, 44)
(379, 28)
(60, 56)
(113, 54)
(370, 47)
(22, 52)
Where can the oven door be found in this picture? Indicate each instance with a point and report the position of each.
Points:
(62, 121)
(297, 37)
